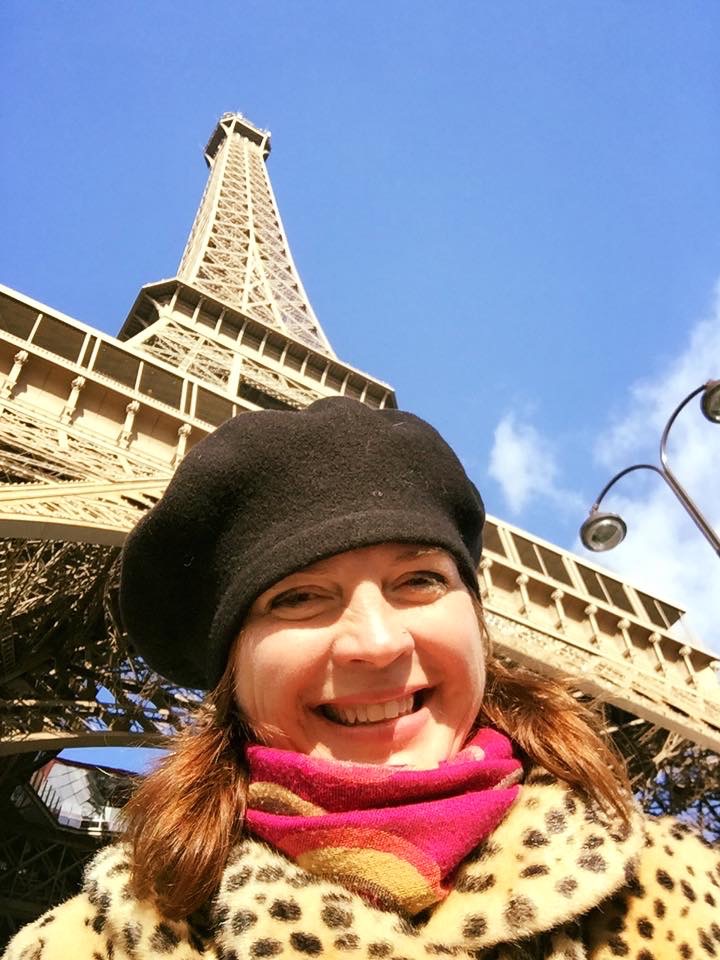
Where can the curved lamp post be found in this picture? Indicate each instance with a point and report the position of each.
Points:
(603, 531)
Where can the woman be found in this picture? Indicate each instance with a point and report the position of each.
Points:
(365, 781)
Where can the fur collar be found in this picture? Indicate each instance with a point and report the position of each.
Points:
(551, 860)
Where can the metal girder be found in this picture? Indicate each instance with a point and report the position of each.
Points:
(40, 868)
(16, 493)
(63, 740)
(85, 512)
(608, 680)
(176, 343)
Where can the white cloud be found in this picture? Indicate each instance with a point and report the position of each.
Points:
(522, 462)
(651, 401)
(663, 550)
(664, 553)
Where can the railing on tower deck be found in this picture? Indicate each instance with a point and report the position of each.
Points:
(87, 379)
(558, 612)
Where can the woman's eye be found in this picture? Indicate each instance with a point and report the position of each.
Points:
(293, 599)
(425, 580)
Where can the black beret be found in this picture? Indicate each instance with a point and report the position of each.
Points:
(270, 492)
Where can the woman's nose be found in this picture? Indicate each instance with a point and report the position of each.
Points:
(371, 630)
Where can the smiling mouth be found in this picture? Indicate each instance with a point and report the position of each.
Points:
(366, 714)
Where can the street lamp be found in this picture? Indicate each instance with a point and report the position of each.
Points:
(603, 531)
(710, 401)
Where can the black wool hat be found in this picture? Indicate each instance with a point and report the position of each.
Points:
(270, 492)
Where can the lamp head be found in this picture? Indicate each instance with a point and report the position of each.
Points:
(710, 401)
(602, 531)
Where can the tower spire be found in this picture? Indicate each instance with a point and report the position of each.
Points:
(237, 250)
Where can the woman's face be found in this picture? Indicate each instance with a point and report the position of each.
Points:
(371, 656)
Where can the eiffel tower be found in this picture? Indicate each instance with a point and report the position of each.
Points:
(91, 428)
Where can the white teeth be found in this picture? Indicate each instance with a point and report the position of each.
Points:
(370, 712)
(376, 712)
(392, 710)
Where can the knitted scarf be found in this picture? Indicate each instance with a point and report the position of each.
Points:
(392, 834)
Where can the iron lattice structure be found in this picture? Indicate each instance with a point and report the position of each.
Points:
(91, 429)
(237, 250)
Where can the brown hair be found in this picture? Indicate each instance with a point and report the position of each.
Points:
(185, 816)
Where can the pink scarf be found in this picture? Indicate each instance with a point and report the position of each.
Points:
(392, 834)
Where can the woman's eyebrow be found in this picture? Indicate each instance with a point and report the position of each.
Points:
(410, 553)
(318, 567)
(414, 552)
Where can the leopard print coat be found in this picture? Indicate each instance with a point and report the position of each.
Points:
(554, 881)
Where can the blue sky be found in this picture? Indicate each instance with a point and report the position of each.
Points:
(509, 211)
